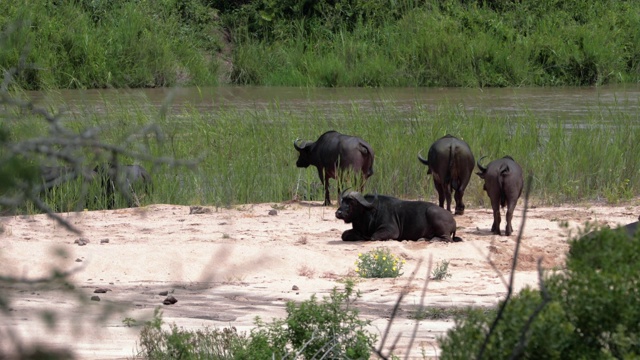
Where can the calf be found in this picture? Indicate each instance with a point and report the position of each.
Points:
(503, 183)
(126, 179)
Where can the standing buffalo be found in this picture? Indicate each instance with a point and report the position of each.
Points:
(378, 217)
(451, 163)
(125, 178)
(59, 195)
(58, 174)
(503, 183)
(334, 152)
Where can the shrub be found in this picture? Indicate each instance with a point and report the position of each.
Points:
(329, 329)
(379, 263)
(588, 311)
(441, 271)
(177, 343)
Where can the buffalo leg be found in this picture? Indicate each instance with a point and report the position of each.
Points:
(445, 238)
(324, 179)
(510, 209)
(495, 205)
(386, 233)
(447, 195)
(352, 235)
(459, 204)
(441, 195)
(327, 198)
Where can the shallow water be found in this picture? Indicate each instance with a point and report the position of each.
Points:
(552, 103)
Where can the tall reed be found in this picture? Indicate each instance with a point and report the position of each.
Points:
(247, 155)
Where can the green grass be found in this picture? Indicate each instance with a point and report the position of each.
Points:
(109, 43)
(247, 155)
(434, 43)
(447, 43)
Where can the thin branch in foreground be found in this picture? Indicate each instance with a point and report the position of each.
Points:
(394, 312)
(47, 279)
(546, 299)
(514, 264)
(420, 308)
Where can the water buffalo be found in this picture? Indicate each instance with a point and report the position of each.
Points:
(451, 163)
(332, 152)
(630, 229)
(503, 183)
(53, 175)
(126, 179)
(379, 217)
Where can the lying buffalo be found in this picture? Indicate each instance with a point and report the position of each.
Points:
(630, 229)
(451, 163)
(378, 217)
(503, 183)
(127, 179)
(334, 152)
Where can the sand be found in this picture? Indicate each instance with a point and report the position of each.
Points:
(227, 266)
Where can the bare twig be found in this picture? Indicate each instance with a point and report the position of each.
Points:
(57, 275)
(396, 307)
(546, 299)
(514, 264)
(420, 308)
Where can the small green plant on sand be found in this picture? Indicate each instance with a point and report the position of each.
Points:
(379, 263)
(441, 271)
(129, 322)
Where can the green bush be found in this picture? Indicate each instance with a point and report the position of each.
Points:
(379, 263)
(329, 329)
(177, 343)
(590, 310)
(111, 43)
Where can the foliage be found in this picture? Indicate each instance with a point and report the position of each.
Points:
(178, 343)
(32, 136)
(592, 314)
(435, 43)
(476, 43)
(379, 263)
(111, 43)
(441, 271)
(312, 330)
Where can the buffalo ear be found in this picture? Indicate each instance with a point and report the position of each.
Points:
(481, 174)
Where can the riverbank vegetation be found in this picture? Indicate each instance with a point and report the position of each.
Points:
(450, 43)
(247, 155)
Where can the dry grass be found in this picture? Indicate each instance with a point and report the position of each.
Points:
(306, 271)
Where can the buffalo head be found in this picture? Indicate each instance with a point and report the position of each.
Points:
(483, 169)
(483, 172)
(304, 150)
(352, 204)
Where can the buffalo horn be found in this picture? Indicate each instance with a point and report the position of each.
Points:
(482, 168)
(423, 160)
(342, 194)
(298, 147)
(358, 196)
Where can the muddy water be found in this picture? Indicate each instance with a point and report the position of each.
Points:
(563, 103)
